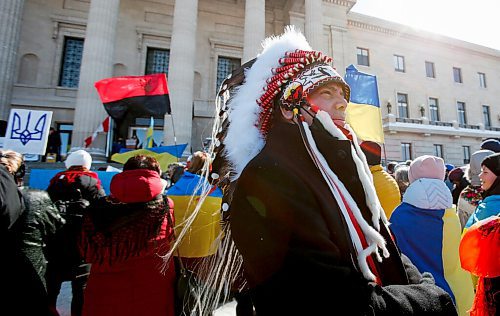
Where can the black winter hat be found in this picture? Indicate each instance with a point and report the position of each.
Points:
(493, 163)
(372, 152)
(491, 144)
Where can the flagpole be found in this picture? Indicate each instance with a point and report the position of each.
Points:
(109, 139)
(385, 155)
(175, 137)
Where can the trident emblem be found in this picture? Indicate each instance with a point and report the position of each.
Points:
(26, 134)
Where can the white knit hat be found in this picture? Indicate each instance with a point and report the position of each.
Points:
(79, 158)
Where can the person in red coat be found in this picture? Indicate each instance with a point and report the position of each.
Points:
(124, 236)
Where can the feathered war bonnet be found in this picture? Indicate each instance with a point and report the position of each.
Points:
(283, 70)
(286, 71)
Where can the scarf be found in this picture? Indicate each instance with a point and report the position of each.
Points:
(115, 231)
(366, 239)
(472, 194)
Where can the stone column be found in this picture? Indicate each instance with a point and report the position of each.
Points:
(337, 35)
(314, 23)
(255, 28)
(11, 13)
(181, 72)
(97, 64)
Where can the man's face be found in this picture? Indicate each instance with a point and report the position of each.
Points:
(329, 98)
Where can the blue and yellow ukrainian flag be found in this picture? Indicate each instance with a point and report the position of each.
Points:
(149, 134)
(431, 239)
(363, 111)
(164, 154)
(201, 239)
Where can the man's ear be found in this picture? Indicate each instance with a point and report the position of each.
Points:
(287, 114)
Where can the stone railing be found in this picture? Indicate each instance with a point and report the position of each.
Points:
(440, 123)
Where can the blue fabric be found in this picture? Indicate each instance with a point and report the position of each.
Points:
(187, 184)
(488, 207)
(363, 86)
(174, 150)
(419, 235)
(40, 178)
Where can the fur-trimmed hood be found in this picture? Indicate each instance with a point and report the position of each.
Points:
(430, 194)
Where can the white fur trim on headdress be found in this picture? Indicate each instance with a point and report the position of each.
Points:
(243, 140)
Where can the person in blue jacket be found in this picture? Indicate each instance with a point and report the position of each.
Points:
(490, 182)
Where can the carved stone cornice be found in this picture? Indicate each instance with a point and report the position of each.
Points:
(372, 27)
(344, 3)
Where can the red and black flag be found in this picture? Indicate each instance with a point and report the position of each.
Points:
(127, 98)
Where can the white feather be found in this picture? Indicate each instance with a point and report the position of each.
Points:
(243, 140)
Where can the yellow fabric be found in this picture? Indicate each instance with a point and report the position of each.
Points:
(149, 134)
(366, 121)
(200, 240)
(164, 159)
(458, 279)
(387, 189)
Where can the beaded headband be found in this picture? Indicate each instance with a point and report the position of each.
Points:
(301, 71)
(310, 79)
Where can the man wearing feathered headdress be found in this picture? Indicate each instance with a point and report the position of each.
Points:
(299, 198)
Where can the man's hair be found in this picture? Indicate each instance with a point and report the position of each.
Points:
(391, 166)
(11, 160)
(142, 162)
(401, 177)
(197, 161)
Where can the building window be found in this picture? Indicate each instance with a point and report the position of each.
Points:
(482, 79)
(429, 69)
(363, 56)
(462, 117)
(466, 152)
(402, 105)
(399, 63)
(157, 61)
(434, 109)
(405, 151)
(225, 66)
(457, 74)
(438, 150)
(71, 62)
(486, 116)
(65, 132)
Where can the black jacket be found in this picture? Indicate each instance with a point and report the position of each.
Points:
(23, 268)
(72, 191)
(40, 223)
(11, 202)
(295, 244)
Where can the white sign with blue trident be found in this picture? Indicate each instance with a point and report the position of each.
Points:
(28, 131)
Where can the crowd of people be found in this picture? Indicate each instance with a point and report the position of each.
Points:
(288, 212)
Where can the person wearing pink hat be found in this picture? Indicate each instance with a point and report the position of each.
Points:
(427, 229)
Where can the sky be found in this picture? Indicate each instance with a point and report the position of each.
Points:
(476, 21)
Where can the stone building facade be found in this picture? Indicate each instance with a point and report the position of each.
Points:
(438, 95)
